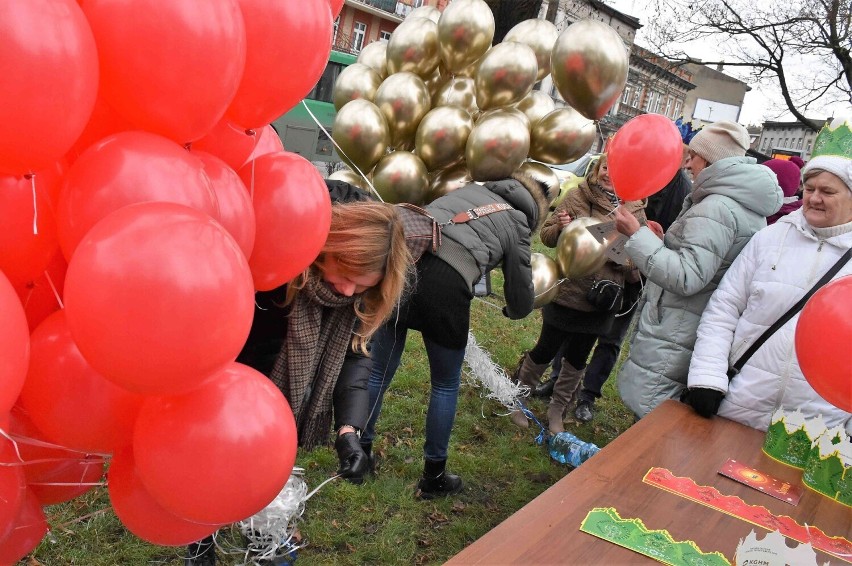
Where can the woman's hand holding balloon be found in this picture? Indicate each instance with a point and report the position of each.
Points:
(625, 222)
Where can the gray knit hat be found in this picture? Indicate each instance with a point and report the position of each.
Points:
(720, 140)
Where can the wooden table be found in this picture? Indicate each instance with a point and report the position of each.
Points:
(546, 530)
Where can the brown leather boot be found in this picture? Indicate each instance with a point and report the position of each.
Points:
(528, 372)
(564, 393)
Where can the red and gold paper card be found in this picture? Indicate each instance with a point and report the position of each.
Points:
(785, 491)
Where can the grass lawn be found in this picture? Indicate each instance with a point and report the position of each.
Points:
(380, 522)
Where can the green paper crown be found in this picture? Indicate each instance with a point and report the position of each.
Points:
(834, 140)
(790, 436)
(826, 471)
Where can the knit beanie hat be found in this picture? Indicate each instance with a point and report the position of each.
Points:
(788, 175)
(720, 140)
(797, 161)
(833, 151)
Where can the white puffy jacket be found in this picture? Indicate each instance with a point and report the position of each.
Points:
(773, 272)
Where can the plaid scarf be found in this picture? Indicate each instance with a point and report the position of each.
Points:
(319, 330)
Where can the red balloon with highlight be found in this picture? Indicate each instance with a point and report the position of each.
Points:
(644, 156)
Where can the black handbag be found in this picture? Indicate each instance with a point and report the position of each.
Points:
(606, 295)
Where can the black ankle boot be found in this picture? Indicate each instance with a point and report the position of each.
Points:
(544, 389)
(437, 481)
(201, 553)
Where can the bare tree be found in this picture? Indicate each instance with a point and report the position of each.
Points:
(508, 13)
(800, 46)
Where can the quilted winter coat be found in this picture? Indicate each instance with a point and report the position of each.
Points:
(777, 267)
(728, 205)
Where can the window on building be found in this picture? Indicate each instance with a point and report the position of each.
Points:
(625, 96)
(809, 146)
(336, 28)
(384, 35)
(324, 87)
(359, 31)
(418, 3)
(765, 144)
(668, 107)
(799, 145)
(676, 113)
(637, 96)
(649, 100)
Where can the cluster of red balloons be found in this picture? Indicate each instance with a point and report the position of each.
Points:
(144, 197)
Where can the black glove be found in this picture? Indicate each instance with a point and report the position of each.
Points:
(705, 401)
(353, 459)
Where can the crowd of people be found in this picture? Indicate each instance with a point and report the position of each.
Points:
(705, 278)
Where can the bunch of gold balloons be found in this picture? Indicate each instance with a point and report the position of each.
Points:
(437, 106)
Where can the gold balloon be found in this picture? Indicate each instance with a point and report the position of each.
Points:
(536, 105)
(361, 131)
(505, 75)
(351, 177)
(403, 99)
(505, 110)
(465, 33)
(441, 136)
(459, 91)
(401, 177)
(375, 55)
(589, 66)
(413, 47)
(543, 174)
(540, 35)
(447, 180)
(577, 252)
(429, 12)
(545, 276)
(355, 81)
(562, 136)
(496, 147)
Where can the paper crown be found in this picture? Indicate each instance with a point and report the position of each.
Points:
(829, 466)
(790, 436)
(834, 139)
(773, 550)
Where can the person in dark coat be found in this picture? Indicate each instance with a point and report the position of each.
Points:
(505, 214)
(310, 336)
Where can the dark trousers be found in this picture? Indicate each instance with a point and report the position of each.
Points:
(603, 359)
(574, 347)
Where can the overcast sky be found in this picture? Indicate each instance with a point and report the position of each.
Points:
(757, 103)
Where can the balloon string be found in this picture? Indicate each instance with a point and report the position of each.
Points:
(31, 177)
(53, 288)
(16, 439)
(343, 153)
(549, 289)
(317, 488)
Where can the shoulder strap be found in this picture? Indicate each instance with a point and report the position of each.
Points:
(479, 211)
(738, 365)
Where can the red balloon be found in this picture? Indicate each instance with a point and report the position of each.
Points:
(28, 236)
(71, 403)
(288, 48)
(28, 529)
(158, 297)
(823, 335)
(293, 212)
(12, 486)
(41, 297)
(54, 473)
(229, 143)
(127, 168)
(14, 345)
(141, 514)
(220, 453)
(336, 6)
(644, 156)
(268, 141)
(50, 77)
(103, 122)
(236, 213)
(169, 67)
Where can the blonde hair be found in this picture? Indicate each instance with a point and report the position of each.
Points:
(592, 177)
(364, 238)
